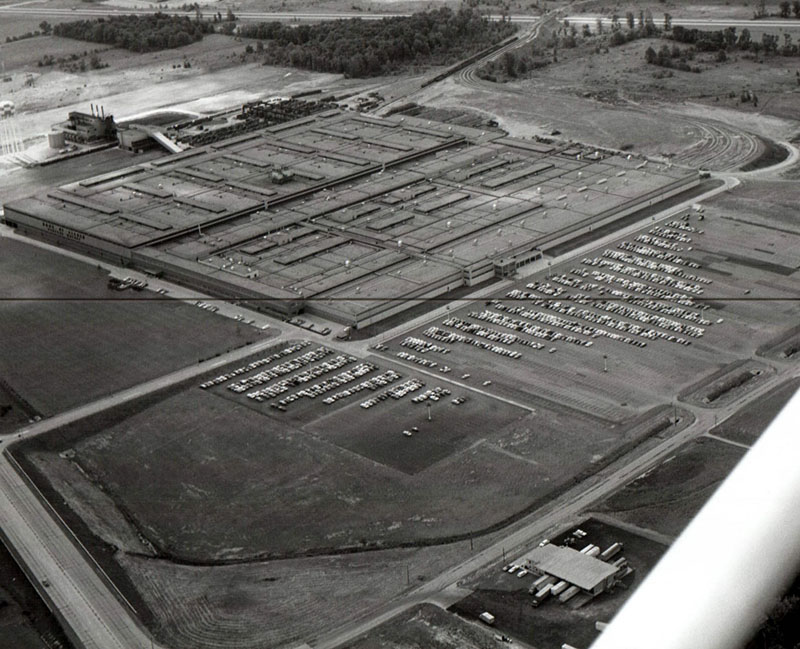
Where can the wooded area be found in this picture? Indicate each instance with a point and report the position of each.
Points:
(366, 48)
(137, 33)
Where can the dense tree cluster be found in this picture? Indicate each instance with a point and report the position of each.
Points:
(137, 33)
(727, 40)
(671, 58)
(365, 48)
(785, 9)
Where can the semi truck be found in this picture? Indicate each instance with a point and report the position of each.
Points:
(541, 595)
(540, 583)
(611, 551)
(569, 594)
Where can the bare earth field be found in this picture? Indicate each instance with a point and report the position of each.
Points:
(276, 603)
(69, 339)
(135, 83)
(612, 97)
(668, 496)
(553, 624)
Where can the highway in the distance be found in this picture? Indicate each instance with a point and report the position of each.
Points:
(26, 9)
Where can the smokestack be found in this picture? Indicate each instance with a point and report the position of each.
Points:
(91, 109)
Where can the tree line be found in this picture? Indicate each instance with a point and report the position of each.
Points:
(137, 33)
(728, 40)
(366, 48)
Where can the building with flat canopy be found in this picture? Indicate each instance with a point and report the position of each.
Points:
(587, 573)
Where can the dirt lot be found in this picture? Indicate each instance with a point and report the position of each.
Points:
(425, 625)
(277, 603)
(75, 340)
(135, 83)
(667, 497)
(747, 425)
(612, 97)
(552, 624)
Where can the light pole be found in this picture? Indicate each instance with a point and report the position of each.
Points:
(605, 363)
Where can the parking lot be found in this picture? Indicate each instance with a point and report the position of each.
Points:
(622, 328)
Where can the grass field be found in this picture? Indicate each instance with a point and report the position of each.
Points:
(667, 497)
(553, 624)
(747, 425)
(69, 339)
(294, 483)
(13, 413)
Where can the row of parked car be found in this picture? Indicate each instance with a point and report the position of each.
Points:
(647, 251)
(647, 276)
(534, 330)
(279, 387)
(343, 378)
(416, 359)
(658, 266)
(423, 346)
(434, 394)
(265, 376)
(266, 360)
(550, 320)
(387, 377)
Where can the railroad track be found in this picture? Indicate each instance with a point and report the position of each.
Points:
(719, 148)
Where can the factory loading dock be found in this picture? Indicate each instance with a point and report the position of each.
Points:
(402, 210)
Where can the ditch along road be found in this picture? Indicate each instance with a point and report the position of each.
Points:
(100, 618)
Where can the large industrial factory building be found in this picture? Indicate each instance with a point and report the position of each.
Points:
(348, 216)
